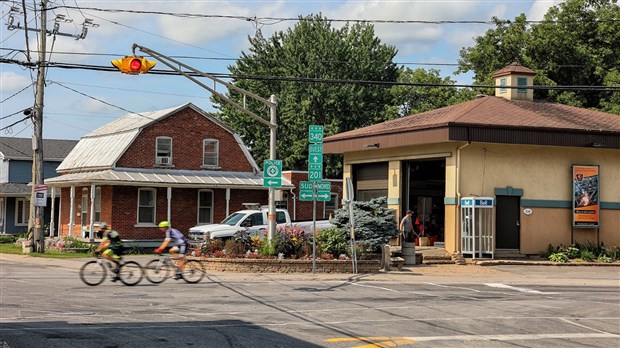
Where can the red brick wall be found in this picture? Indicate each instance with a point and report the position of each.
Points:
(188, 129)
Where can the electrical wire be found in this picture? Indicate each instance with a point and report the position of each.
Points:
(16, 93)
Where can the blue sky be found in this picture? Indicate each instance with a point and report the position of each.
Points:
(79, 101)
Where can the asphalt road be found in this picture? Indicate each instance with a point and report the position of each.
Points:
(44, 304)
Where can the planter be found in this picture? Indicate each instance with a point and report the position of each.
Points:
(288, 266)
(26, 247)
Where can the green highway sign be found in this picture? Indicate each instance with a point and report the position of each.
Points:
(272, 173)
(323, 190)
(316, 159)
(315, 134)
(306, 186)
(315, 171)
(306, 195)
(315, 149)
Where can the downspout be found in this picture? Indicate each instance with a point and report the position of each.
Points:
(294, 205)
(457, 219)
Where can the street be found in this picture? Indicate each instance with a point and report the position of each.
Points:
(44, 304)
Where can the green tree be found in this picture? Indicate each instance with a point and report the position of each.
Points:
(375, 224)
(428, 95)
(312, 49)
(577, 43)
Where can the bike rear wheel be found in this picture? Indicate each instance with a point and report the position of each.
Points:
(93, 273)
(193, 271)
(131, 273)
(157, 271)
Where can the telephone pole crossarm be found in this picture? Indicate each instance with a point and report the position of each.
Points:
(270, 103)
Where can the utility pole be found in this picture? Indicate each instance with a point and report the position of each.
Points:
(38, 236)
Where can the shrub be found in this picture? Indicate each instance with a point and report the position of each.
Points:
(604, 259)
(234, 248)
(559, 257)
(572, 252)
(210, 247)
(7, 239)
(333, 241)
(290, 241)
(587, 255)
(267, 248)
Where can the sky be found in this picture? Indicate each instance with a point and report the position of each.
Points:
(78, 101)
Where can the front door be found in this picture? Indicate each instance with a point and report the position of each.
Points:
(507, 222)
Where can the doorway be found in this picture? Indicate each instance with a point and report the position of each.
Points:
(507, 224)
(424, 189)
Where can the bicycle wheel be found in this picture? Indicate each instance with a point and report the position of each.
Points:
(131, 273)
(157, 271)
(93, 273)
(193, 271)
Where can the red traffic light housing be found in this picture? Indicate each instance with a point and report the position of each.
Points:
(133, 65)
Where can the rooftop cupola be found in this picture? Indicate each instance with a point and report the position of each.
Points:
(517, 76)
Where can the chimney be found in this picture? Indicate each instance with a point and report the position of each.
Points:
(517, 76)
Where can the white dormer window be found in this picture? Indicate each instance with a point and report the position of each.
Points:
(210, 152)
(163, 151)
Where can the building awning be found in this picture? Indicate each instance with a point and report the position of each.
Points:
(165, 178)
(15, 190)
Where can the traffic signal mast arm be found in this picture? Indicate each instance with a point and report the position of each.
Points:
(271, 103)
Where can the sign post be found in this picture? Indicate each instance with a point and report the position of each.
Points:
(272, 170)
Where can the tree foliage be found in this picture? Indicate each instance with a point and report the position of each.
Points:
(374, 224)
(577, 44)
(311, 49)
(429, 92)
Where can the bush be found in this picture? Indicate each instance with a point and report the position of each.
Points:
(572, 252)
(290, 241)
(560, 257)
(7, 239)
(587, 255)
(332, 241)
(232, 248)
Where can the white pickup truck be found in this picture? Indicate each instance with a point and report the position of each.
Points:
(253, 221)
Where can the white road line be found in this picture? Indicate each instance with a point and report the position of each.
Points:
(529, 291)
(453, 287)
(517, 337)
(372, 286)
(583, 326)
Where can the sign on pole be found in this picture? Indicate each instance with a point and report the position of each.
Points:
(315, 134)
(272, 173)
(323, 190)
(40, 196)
(306, 191)
(315, 171)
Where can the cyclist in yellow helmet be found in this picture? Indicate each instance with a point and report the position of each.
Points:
(111, 247)
(178, 244)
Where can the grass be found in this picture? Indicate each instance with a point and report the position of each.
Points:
(11, 248)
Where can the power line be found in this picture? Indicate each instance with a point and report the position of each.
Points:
(301, 18)
(319, 80)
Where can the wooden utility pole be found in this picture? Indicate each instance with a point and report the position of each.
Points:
(36, 212)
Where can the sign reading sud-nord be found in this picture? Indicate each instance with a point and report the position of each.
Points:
(272, 173)
(306, 191)
(323, 190)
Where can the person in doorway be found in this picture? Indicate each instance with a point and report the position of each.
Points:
(178, 242)
(406, 227)
(111, 247)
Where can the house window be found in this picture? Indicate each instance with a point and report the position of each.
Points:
(210, 152)
(521, 84)
(331, 205)
(205, 207)
(163, 155)
(97, 204)
(84, 209)
(22, 211)
(502, 83)
(146, 206)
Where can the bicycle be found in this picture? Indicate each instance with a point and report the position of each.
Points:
(164, 266)
(95, 272)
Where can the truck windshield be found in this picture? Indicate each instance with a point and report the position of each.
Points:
(233, 219)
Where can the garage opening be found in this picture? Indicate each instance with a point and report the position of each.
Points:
(424, 189)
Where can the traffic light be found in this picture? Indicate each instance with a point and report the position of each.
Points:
(133, 65)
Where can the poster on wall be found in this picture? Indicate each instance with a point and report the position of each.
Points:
(586, 196)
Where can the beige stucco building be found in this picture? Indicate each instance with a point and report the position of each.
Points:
(521, 153)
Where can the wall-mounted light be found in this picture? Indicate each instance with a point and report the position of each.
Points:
(375, 145)
(599, 145)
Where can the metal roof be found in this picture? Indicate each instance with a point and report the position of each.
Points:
(165, 177)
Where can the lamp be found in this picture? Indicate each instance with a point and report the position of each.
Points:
(598, 145)
(375, 145)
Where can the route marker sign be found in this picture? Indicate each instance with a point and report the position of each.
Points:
(315, 171)
(315, 134)
(272, 173)
(315, 149)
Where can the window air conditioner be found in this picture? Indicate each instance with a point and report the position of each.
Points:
(162, 160)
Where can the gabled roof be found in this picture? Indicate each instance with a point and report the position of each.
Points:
(493, 119)
(101, 148)
(21, 148)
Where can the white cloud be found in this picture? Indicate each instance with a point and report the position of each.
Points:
(12, 82)
(91, 106)
(539, 9)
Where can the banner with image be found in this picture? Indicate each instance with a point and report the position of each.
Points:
(586, 196)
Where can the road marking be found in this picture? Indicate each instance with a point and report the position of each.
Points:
(517, 337)
(372, 286)
(453, 287)
(529, 291)
(373, 342)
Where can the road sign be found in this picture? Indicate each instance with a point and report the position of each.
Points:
(272, 173)
(306, 195)
(323, 190)
(315, 171)
(315, 159)
(315, 149)
(315, 134)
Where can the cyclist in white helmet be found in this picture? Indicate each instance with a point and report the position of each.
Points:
(178, 244)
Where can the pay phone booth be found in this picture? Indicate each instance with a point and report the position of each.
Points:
(477, 226)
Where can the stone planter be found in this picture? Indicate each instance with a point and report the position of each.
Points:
(26, 247)
(288, 266)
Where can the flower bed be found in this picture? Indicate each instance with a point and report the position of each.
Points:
(288, 265)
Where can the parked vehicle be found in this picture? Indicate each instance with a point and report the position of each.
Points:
(254, 222)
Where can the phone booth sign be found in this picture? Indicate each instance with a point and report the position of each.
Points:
(477, 226)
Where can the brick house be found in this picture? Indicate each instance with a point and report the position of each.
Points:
(179, 164)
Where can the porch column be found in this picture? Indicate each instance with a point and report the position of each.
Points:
(52, 222)
(92, 213)
(169, 199)
(394, 188)
(227, 202)
(71, 211)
